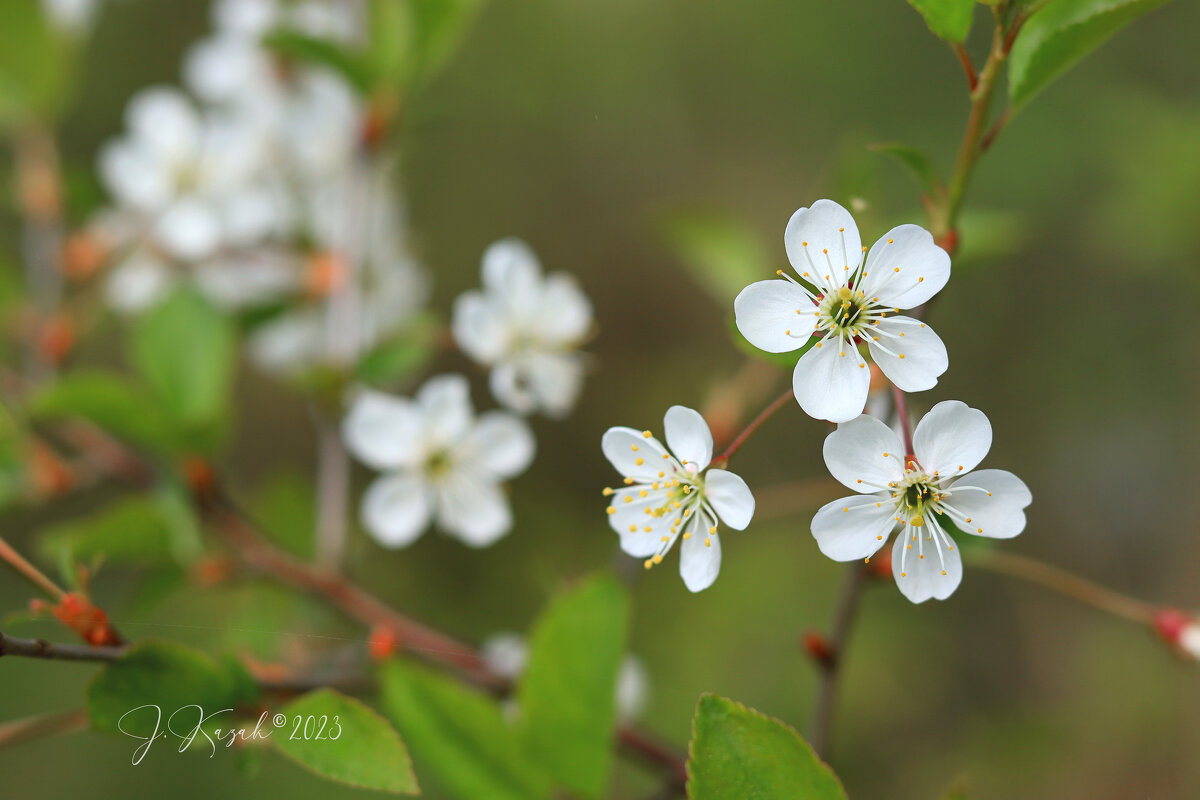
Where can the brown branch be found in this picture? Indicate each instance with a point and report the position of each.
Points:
(762, 417)
(40, 648)
(41, 726)
(968, 67)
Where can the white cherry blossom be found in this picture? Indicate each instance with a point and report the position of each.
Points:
(919, 492)
(527, 328)
(441, 463)
(843, 300)
(672, 494)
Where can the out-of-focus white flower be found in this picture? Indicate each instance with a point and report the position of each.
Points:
(851, 300)
(668, 495)
(918, 492)
(76, 17)
(527, 328)
(441, 463)
(506, 655)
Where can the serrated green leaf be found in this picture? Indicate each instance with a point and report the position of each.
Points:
(169, 676)
(723, 254)
(738, 752)
(566, 692)
(357, 746)
(184, 349)
(459, 735)
(348, 64)
(1059, 35)
(948, 19)
(917, 162)
(109, 400)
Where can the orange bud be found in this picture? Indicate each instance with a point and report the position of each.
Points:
(383, 643)
(819, 648)
(83, 255)
(326, 274)
(56, 338)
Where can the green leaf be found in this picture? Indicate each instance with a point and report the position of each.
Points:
(723, 254)
(322, 52)
(459, 735)
(738, 752)
(440, 27)
(109, 400)
(1059, 35)
(132, 530)
(169, 676)
(566, 693)
(917, 163)
(285, 508)
(35, 62)
(400, 356)
(392, 44)
(948, 19)
(185, 351)
(349, 743)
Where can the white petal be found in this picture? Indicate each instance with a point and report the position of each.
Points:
(505, 654)
(864, 454)
(289, 342)
(395, 509)
(630, 520)
(924, 354)
(688, 436)
(140, 282)
(472, 508)
(923, 267)
(730, 497)
(163, 119)
(383, 432)
(921, 578)
(823, 241)
(998, 515)
(500, 444)
(133, 176)
(854, 527)
(445, 400)
(633, 688)
(831, 382)
(189, 230)
(700, 554)
(512, 271)
(539, 380)
(478, 327)
(776, 316)
(625, 448)
(566, 313)
(952, 438)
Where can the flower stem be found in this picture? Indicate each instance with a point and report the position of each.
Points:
(333, 494)
(1059, 580)
(762, 417)
(827, 682)
(28, 571)
(31, 728)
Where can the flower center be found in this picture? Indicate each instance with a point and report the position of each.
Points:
(843, 310)
(437, 465)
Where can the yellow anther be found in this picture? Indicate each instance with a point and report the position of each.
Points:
(825, 250)
(890, 241)
(611, 510)
(847, 508)
(844, 295)
(639, 461)
(661, 474)
(665, 539)
(607, 491)
(712, 530)
(903, 574)
(646, 434)
(917, 521)
(922, 280)
(649, 563)
(707, 542)
(657, 559)
(633, 528)
(643, 493)
(648, 529)
(885, 455)
(895, 269)
(633, 447)
(687, 535)
(666, 456)
(943, 572)
(629, 481)
(804, 244)
(878, 537)
(902, 355)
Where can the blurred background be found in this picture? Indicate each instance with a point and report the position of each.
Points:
(591, 130)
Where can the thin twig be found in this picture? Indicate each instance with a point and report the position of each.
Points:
(40, 648)
(762, 417)
(28, 571)
(839, 634)
(333, 494)
(968, 68)
(1063, 582)
(26, 730)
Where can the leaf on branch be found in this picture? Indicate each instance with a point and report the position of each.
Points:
(132, 530)
(401, 355)
(108, 400)
(440, 26)
(738, 752)
(323, 53)
(918, 164)
(948, 19)
(568, 717)
(185, 350)
(169, 676)
(1059, 35)
(459, 735)
(367, 752)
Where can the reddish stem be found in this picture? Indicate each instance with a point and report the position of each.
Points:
(762, 417)
(28, 571)
(902, 411)
(968, 67)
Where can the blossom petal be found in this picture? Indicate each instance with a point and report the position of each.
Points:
(905, 268)
(138, 283)
(831, 382)
(566, 313)
(730, 497)
(499, 443)
(854, 527)
(625, 448)
(775, 315)
(918, 578)
(512, 272)
(537, 380)
(445, 401)
(396, 509)
(478, 327)
(163, 119)
(952, 438)
(688, 436)
(641, 533)
(472, 508)
(189, 230)
(924, 355)
(993, 499)
(824, 242)
(382, 431)
(864, 454)
(133, 176)
(700, 554)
